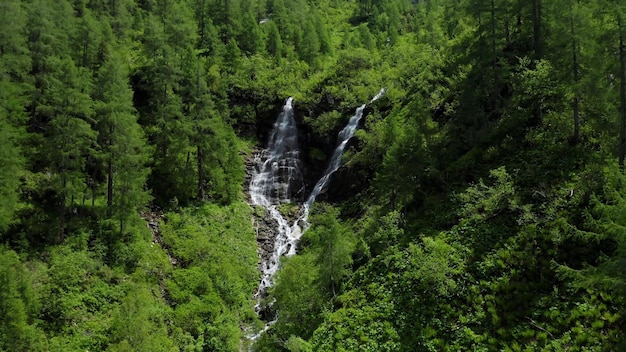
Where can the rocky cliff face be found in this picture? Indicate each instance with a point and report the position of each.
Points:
(345, 182)
(265, 227)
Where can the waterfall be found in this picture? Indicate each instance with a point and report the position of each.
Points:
(335, 161)
(277, 178)
(278, 173)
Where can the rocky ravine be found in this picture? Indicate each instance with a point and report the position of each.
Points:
(263, 223)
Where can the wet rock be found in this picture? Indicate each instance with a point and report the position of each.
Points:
(265, 227)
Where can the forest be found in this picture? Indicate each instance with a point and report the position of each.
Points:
(481, 205)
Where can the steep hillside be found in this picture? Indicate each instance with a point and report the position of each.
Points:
(478, 207)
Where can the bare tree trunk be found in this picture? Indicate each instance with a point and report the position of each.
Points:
(110, 182)
(85, 51)
(62, 209)
(201, 194)
(110, 172)
(519, 15)
(202, 23)
(576, 105)
(622, 93)
(507, 32)
(537, 37)
(493, 44)
(576, 99)
(188, 173)
(85, 192)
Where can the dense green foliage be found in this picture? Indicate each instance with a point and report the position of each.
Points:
(108, 107)
(492, 215)
(486, 212)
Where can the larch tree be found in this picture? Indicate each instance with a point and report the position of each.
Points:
(157, 84)
(14, 89)
(70, 138)
(619, 14)
(61, 108)
(121, 140)
(274, 42)
(12, 165)
(18, 303)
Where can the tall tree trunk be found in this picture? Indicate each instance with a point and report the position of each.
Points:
(87, 186)
(519, 15)
(537, 37)
(85, 50)
(507, 32)
(537, 114)
(110, 182)
(480, 23)
(188, 175)
(622, 93)
(576, 99)
(110, 172)
(201, 194)
(493, 44)
(202, 23)
(62, 208)
(92, 185)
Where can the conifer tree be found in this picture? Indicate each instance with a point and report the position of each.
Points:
(71, 141)
(250, 39)
(18, 302)
(61, 108)
(123, 148)
(14, 89)
(308, 43)
(161, 112)
(274, 41)
(622, 80)
(11, 167)
(571, 31)
(335, 245)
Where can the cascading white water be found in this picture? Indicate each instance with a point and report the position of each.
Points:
(278, 168)
(335, 161)
(278, 177)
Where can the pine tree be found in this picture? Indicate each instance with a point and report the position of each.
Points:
(308, 43)
(70, 142)
(571, 31)
(88, 41)
(17, 305)
(250, 39)
(121, 140)
(61, 108)
(274, 42)
(11, 167)
(334, 246)
(14, 89)
(161, 112)
(622, 84)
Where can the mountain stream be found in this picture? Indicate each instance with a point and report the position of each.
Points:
(277, 179)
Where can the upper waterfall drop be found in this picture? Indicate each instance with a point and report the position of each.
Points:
(380, 93)
(335, 161)
(278, 175)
